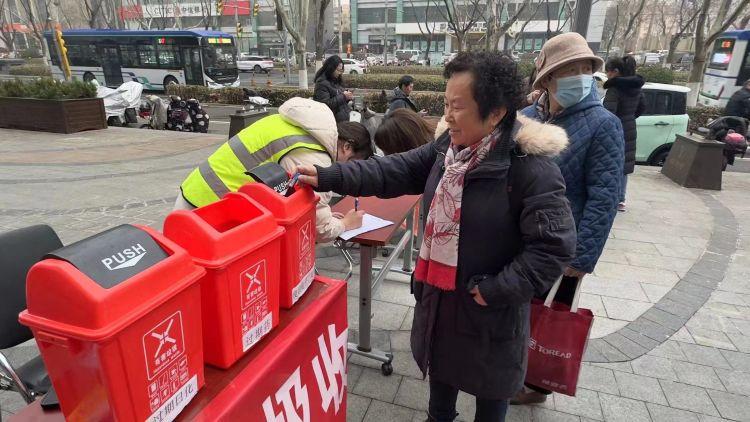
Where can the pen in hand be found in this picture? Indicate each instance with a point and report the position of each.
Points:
(356, 204)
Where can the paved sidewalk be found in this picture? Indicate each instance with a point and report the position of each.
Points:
(671, 294)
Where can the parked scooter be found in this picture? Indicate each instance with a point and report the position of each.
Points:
(120, 104)
(732, 132)
(154, 110)
(186, 116)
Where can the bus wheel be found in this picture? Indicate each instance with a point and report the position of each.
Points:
(88, 77)
(170, 80)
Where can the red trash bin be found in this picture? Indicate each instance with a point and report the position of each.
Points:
(118, 348)
(238, 242)
(296, 214)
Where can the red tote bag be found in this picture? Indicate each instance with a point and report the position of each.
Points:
(559, 334)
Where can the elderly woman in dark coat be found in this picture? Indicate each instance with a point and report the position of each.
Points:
(625, 100)
(497, 232)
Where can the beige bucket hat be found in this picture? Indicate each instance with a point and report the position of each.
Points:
(561, 50)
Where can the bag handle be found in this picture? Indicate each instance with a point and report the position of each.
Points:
(553, 292)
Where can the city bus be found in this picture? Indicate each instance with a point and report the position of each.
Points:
(727, 69)
(153, 58)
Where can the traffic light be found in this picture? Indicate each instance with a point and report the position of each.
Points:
(239, 29)
(256, 8)
(219, 7)
(64, 64)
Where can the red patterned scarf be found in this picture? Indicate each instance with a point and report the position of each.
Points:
(438, 255)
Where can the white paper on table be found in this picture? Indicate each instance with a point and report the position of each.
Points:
(369, 223)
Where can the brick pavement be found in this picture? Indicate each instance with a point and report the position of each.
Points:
(671, 293)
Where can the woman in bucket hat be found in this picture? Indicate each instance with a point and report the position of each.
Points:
(592, 164)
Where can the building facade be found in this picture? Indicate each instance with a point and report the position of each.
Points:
(259, 31)
(412, 22)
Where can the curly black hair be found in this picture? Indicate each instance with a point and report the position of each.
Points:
(497, 82)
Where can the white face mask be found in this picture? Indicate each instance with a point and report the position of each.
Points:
(571, 90)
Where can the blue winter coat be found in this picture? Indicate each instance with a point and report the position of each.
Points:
(592, 167)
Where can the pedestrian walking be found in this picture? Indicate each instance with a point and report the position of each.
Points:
(625, 100)
(592, 164)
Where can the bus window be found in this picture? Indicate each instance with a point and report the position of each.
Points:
(129, 55)
(147, 55)
(168, 57)
(83, 55)
(722, 54)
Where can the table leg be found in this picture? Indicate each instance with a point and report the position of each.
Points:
(364, 346)
(365, 297)
(409, 249)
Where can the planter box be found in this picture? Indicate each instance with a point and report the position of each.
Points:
(60, 116)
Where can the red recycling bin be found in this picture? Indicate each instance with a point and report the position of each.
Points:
(296, 214)
(119, 348)
(238, 242)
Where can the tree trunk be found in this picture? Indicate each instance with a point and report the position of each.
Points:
(673, 42)
(319, 45)
(696, 74)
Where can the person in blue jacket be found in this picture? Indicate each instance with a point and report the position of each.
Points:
(592, 164)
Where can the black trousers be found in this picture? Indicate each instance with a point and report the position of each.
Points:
(442, 406)
(565, 294)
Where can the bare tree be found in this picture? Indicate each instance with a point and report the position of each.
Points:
(496, 29)
(93, 12)
(461, 16)
(206, 13)
(429, 25)
(742, 24)
(8, 31)
(30, 15)
(614, 29)
(704, 40)
(136, 6)
(526, 22)
(635, 15)
(295, 22)
(686, 15)
(319, 41)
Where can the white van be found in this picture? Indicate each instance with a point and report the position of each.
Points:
(408, 55)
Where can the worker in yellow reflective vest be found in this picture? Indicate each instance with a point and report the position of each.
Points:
(303, 133)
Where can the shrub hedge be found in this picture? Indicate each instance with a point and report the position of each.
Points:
(376, 101)
(30, 70)
(656, 74)
(47, 88)
(276, 96)
(699, 116)
(390, 81)
(405, 70)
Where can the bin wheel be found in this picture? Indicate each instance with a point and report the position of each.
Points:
(385, 252)
(386, 369)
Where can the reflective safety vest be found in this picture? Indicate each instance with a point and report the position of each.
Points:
(267, 140)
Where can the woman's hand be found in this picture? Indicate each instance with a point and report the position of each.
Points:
(349, 95)
(307, 175)
(533, 96)
(353, 219)
(477, 296)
